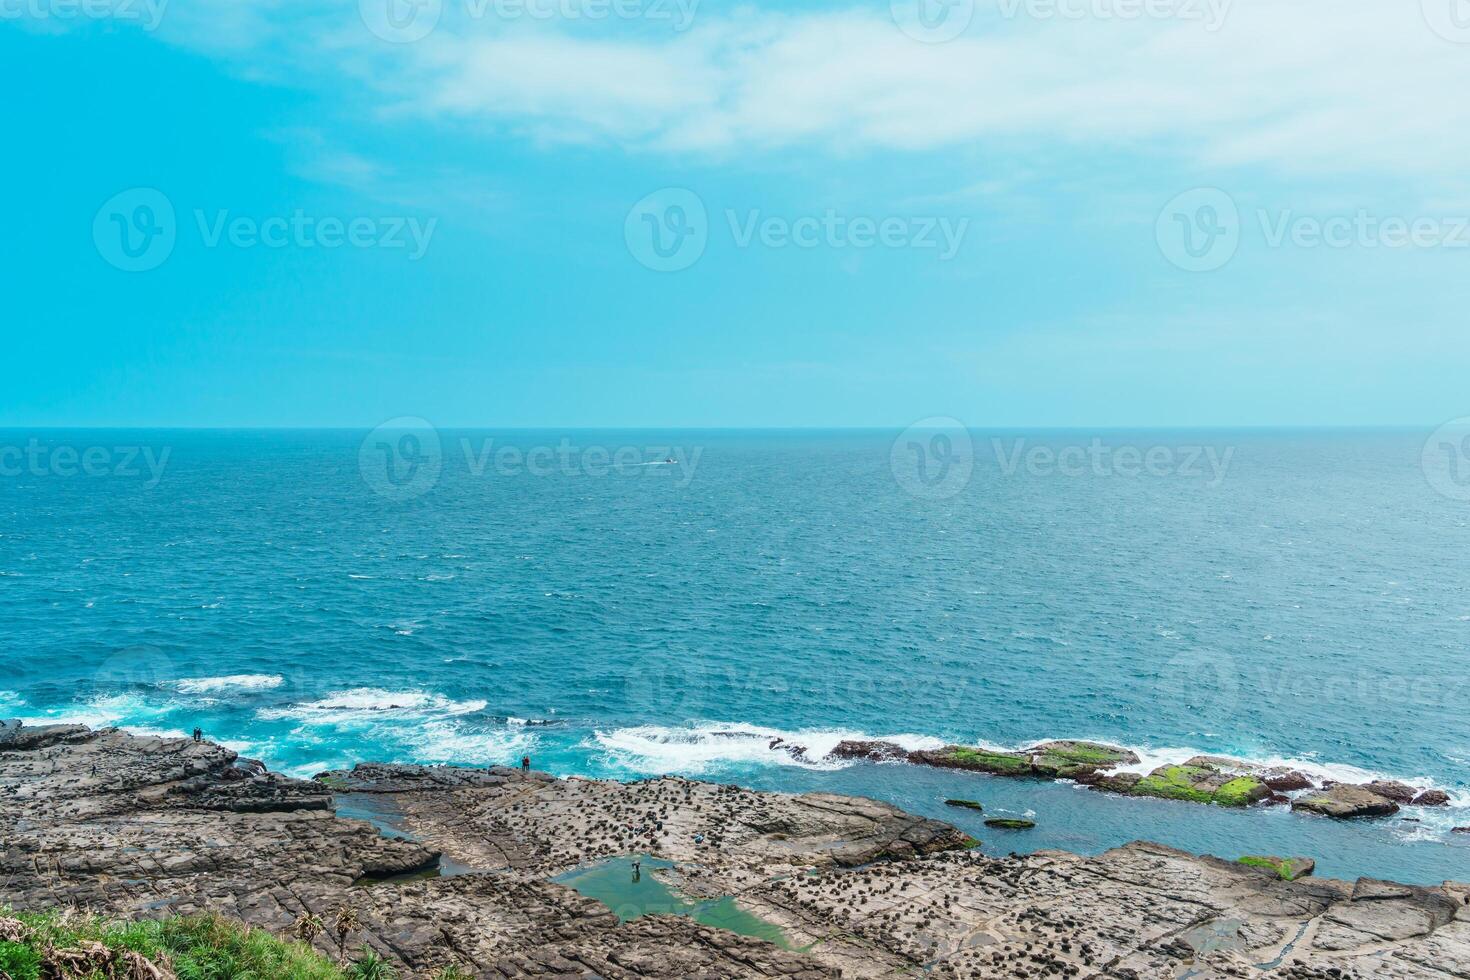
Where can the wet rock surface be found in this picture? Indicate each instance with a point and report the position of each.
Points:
(149, 826)
(1346, 802)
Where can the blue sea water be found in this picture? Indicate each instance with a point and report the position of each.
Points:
(319, 598)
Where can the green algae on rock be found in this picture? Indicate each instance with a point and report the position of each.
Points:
(1201, 784)
(1009, 823)
(965, 804)
(1287, 869)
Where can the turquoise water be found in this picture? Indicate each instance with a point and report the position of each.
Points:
(1310, 602)
(614, 884)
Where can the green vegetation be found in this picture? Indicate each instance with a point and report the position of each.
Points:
(999, 763)
(79, 947)
(1174, 783)
(331, 782)
(966, 804)
(1282, 868)
(970, 843)
(1193, 784)
(1241, 791)
(1009, 823)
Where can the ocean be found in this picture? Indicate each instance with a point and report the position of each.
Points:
(634, 603)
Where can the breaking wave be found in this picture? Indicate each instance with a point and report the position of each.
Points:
(240, 682)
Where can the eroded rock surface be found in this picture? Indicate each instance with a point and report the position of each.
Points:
(149, 826)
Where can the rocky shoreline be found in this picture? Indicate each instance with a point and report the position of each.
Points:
(141, 826)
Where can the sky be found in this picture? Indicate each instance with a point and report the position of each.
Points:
(706, 213)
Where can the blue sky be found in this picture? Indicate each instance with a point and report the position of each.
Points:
(875, 221)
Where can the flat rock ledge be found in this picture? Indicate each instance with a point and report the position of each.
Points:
(1209, 779)
(138, 826)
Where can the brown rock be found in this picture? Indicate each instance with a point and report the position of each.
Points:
(1342, 802)
(1392, 790)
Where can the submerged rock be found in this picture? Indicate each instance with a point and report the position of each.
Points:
(1343, 802)
(1009, 823)
(966, 804)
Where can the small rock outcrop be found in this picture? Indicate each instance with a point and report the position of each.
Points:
(1345, 802)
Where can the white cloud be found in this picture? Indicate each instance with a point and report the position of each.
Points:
(1300, 86)
(1306, 87)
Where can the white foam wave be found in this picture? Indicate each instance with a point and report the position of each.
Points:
(443, 741)
(657, 749)
(368, 703)
(242, 682)
(10, 699)
(101, 712)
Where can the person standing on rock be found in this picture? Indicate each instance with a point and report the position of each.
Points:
(198, 734)
(525, 763)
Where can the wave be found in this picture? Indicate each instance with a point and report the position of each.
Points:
(242, 682)
(369, 703)
(109, 711)
(10, 699)
(656, 749)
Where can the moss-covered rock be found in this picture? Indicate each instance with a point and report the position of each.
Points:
(976, 760)
(1201, 784)
(1070, 759)
(966, 804)
(1287, 869)
(1009, 823)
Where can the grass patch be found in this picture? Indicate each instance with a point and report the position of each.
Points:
(209, 947)
(1282, 868)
